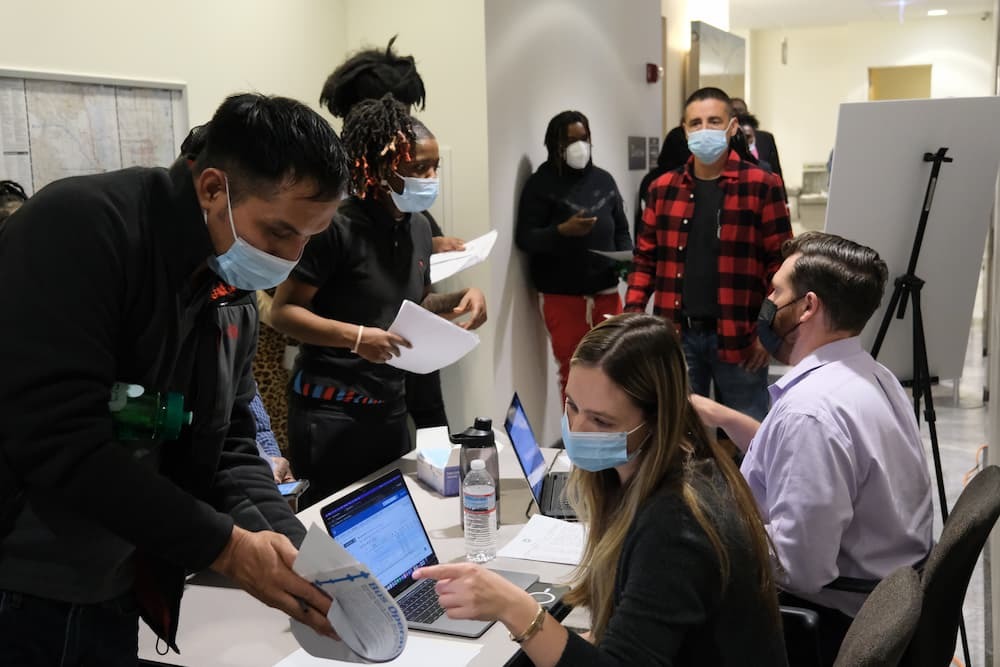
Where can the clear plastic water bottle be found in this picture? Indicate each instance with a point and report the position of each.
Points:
(479, 507)
(477, 442)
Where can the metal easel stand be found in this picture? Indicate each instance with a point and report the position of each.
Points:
(907, 289)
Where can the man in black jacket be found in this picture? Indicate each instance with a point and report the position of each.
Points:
(767, 149)
(145, 276)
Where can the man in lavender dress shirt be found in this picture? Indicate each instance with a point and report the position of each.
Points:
(837, 467)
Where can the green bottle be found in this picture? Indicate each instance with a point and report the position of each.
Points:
(138, 415)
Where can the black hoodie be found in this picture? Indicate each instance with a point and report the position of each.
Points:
(564, 264)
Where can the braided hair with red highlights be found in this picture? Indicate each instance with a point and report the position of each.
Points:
(378, 135)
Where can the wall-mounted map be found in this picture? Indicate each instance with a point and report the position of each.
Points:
(51, 129)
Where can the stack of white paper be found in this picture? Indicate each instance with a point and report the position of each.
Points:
(546, 539)
(368, 620)
(446, 264)
(436, 341)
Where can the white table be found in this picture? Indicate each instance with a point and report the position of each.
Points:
(225, 627)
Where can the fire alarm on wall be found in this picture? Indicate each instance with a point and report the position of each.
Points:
(653, 72)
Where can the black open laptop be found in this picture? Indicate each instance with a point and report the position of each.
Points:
(547, 487)
(379, 525)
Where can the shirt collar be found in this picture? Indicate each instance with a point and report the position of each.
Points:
(378, 213)
(183, 227)
(731, 171)
(838, 350)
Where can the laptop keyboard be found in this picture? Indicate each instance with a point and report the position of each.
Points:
(421, 605)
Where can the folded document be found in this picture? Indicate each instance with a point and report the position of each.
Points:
(363, 613)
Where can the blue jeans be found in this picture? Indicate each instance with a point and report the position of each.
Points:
(38, 632)
(735, 387)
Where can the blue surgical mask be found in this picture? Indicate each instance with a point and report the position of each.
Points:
(709, 145)
(418, 194)
(769, 338)
(246, 267)
(597, 450)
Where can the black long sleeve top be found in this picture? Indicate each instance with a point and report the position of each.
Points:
(671, 607)
(563, 264)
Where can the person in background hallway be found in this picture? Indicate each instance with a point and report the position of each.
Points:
(368, 75)
(675, 569)
(674, 153)
(568, 208)
(12, 195)
(749, 125)
(710, 242)
(837, 467)
(767, 149)
(146, 276)
(347, 416)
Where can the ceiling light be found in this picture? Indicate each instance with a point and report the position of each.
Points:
(937, 12)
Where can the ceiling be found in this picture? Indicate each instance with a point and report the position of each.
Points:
(757, 14)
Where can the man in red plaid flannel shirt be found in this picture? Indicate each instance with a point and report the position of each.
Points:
(709, 243)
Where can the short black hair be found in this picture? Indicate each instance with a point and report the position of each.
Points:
(849, 278)
(368, 75)
(266, 143)
(555, 134)
(378, 135)
(709, 93)
(748, 119)
(12, 195)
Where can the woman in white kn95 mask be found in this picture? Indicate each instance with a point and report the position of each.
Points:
(570, 211)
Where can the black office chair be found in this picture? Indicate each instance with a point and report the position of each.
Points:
(949, 567)
(800, 627)
(882, 629)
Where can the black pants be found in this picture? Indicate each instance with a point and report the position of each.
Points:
(424, 401)
(833, 625)
(334, 444)
(37, 632)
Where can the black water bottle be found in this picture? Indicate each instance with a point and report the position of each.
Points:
(477, 442)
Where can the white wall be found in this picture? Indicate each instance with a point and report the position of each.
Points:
(675, 69)
(543, 58)
(799, 101)
(447, 39)
(273, 46)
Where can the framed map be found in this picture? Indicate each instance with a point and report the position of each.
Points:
(54, 126)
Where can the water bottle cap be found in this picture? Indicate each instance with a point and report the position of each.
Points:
(478, 464)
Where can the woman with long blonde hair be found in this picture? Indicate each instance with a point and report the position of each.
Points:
(676, 568)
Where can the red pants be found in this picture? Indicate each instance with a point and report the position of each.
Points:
(569, 318)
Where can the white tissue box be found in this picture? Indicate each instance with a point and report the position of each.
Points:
(438, 468)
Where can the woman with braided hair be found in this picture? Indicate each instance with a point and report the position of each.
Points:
(347, 414)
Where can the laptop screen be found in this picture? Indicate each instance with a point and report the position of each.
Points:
(525, 446)
(379, 525)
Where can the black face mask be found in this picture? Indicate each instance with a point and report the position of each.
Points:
(769, 338)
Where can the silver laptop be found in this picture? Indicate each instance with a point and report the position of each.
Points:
(379, 525)
(546, 487)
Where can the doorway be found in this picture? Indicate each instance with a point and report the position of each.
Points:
(912, 82)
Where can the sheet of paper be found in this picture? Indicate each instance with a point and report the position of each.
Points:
(617, 255)
(420, 652)
(446, 264)
(436, 341)
(363, 613)
(546, 539)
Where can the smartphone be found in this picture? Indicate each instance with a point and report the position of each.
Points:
(293, 489)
